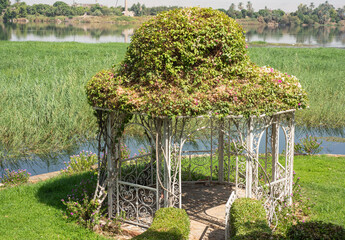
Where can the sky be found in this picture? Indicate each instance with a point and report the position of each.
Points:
(286, 5)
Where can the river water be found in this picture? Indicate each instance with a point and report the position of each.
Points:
(39, 164)
(101, 33)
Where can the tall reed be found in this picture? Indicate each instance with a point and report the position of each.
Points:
(321, 72)
(43, 104)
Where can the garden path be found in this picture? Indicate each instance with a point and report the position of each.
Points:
(205, 206)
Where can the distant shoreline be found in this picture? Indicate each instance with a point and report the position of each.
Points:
(134, 20)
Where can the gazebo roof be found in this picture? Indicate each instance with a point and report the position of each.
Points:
(190, 62)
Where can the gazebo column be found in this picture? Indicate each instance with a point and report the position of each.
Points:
(250, 156)
(275, 147)
(221, 151)
(168, 201)
(290, 152)
(110, 152)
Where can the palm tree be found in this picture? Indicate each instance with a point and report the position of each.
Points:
(240, 5)
(249, 6)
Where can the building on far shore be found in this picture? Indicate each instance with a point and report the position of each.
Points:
(126, 12)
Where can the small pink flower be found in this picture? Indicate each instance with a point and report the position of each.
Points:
(299, 104)
(71, 213)
(280, 81)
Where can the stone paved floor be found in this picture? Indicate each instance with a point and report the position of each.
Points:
(205, 205)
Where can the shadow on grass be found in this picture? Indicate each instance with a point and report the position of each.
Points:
(156, 235)
(52, 191)
(316, 230)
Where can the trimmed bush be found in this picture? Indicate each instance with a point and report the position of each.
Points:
(248, 220)
(316, 230)
(168, 224)
(193, 61)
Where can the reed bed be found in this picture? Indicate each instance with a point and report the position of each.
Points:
(321, 72)
(43, 104)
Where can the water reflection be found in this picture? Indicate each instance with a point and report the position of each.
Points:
(326, 36)
(50, 32)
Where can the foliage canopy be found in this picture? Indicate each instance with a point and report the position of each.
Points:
(193, 61)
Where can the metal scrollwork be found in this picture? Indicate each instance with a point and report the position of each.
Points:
(235, 149)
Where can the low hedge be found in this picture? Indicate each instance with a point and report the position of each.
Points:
(248, 220)
(316, 230)
(168, 224)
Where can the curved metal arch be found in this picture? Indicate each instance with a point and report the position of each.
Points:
(152, 143)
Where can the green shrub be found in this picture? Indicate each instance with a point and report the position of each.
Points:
(80, 163)
(168, 224)
(298, 210)
(15, 177)
(308, 145)
(193, 61)
(316, 230)
(248, 220)
(83, 212)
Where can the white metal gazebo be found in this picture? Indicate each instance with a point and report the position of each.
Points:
(187, 81)
(245, 152)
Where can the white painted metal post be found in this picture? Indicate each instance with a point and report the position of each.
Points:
(167, 163)
(275, 147)
(221, 151)
(110, 166)
(249, 169)
(291, 153)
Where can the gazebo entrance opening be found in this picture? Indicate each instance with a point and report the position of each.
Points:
(252, 154)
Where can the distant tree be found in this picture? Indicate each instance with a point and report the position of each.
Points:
(232, 11)
(97, 12)
(136, 8)
(250, 10)
(60, 4)
(95, 7)
(240, 5)
(311, 5)
(264, 12)
(222, 10)
(4, 4)
(249, 6)
(117, 11)
(10, 14)
(22, 12)
(106, 11)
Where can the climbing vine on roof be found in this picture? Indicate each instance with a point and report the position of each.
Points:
(190, 62)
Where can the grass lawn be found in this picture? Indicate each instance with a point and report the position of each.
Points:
(323, 180)
(33, 211)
